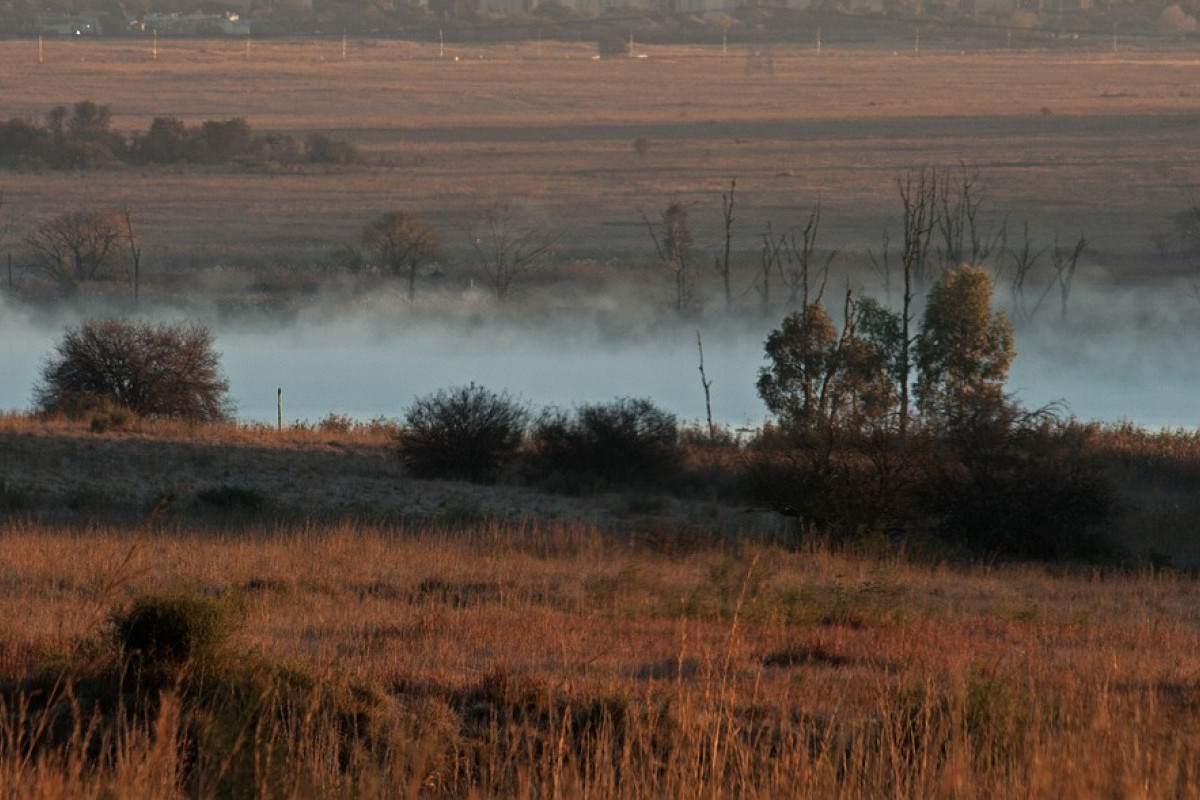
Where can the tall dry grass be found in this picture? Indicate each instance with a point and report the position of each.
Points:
(557, 661)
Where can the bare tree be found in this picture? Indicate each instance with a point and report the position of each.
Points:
(799, 256)
(722, 264)
(918, 194)
(674, 246)
(770, 262)
(6, 224)
(509, 249)
(78, 246)
(404, 243)
(6, 219)
(1025, 259)
(135, 253)
(963, 236)
(882, 264)
(1065, 260)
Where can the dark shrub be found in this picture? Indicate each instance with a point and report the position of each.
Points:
(152, 370)
(168, 141)
(218, 142)
(1022, 489)
(161, 634)
(322, 149)
(467, 433)
(232, 498)
(613, 47)
(13, 499)
(844, 485)
(834, 495)
(282, 148)
(625, 441)
(23, 142)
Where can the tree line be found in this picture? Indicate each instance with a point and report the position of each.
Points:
(81, 137)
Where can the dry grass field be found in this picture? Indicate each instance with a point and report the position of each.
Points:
(396, 637)
(553, 661)
(1097, 141)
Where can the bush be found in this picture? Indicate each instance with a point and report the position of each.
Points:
(467, 433)
(152, 370)
(217, 142)
(161, 634)
(625, 441)
(13, 499)
(1023, 489)
(836, 493)
(168, 141)
(229, 729)
(322, 149)
(232, 498)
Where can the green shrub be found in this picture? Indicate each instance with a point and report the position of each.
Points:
(161, 634)
(467, 433)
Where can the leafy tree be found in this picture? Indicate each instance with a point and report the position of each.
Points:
(90, 122)
(217, 142)
(168, 141)
(873, 361)
(963, 351)
(78, 246)
(804, 363)
(820, 379)
(403, 242)
(153, 370)
(82, 136)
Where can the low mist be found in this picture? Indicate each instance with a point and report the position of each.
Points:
(1121, 354)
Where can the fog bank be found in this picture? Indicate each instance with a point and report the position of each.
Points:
(1122, 354)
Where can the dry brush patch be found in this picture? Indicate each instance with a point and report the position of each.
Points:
(751, 669)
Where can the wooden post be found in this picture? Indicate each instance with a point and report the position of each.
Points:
(279, 406)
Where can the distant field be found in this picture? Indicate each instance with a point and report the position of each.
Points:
(1101, 142)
